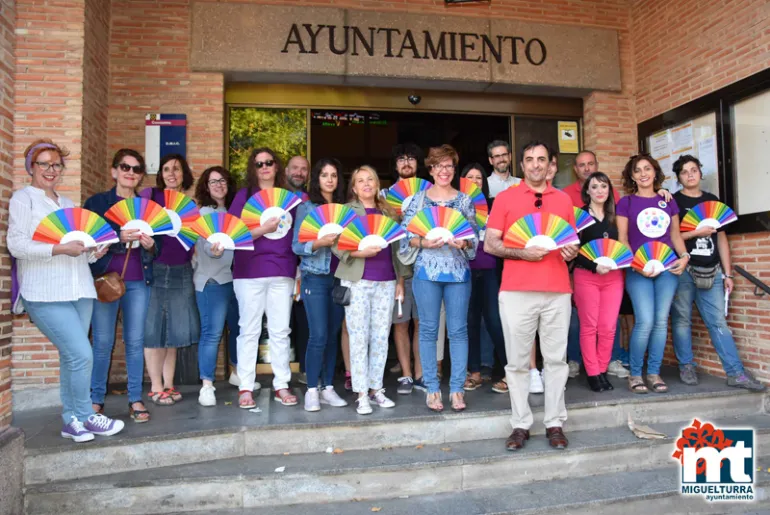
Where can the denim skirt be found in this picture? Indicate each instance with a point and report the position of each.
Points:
(172, 317)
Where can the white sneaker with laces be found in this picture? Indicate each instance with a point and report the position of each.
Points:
(381, 400)
(364, 408)
(312, 402)
(616, 368)
(206, 396)
(574, 369)
(330, 397)
(535, 381)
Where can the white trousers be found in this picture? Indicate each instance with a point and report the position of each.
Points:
(271, 295)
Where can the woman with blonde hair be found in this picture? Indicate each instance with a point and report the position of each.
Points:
(375, 278)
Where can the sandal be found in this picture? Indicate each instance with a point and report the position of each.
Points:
(174, 394)
(636, 385)
(433, 400)
(500, 386)
(138, 415)
(471, 383)
(99, 409)
(457, 401)
(161, 398)
(246, 400)
(656, 384)
(285, 397)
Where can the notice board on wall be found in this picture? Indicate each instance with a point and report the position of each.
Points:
(164, 134)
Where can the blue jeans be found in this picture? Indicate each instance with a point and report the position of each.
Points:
(618, 352)
(483, 304)
(456, 297)
(652, 302)
(134, 305)
(711, 306)
(573, 338)
(66, 325)
(233, 330)
(213, 303)
(325, 321)
(487, 347)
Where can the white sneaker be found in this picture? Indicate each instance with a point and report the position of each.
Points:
(616, 368)
(311, 400)
(574, 368)
(330, 397)
(535, 381)
(206, 396)
(364, 408)
(236, 381)
(381, 400)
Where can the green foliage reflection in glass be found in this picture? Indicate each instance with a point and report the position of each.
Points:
(283, 130)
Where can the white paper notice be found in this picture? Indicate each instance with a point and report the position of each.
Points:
(681, 139)
(659, 145)
(707, 154)
(671, 184)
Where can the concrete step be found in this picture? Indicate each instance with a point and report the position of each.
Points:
(385, 472)
(186, 440)
(629, 493)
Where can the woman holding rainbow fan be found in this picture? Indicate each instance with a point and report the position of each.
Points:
(644, 218)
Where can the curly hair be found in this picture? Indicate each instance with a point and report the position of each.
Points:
(203, 193)
(629, 184)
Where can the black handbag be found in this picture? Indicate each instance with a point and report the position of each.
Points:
(340, 294)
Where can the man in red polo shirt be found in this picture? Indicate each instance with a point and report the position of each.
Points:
(585, 164)
(535, 297)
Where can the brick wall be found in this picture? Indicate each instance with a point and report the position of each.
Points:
(7, 71)
(684, 50)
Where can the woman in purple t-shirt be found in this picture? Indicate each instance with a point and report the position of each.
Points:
(172, 317)
(263, 280)
(643, 217)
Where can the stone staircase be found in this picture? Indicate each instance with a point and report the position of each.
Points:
(405, 460)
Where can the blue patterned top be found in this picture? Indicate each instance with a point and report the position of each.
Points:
(444, 264)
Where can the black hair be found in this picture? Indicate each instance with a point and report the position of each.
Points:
(187, 176)
(252, 180)
(609, 204)
(678, 165)
(535, 143)
(314, 185)
(203, 192)
(484, 182)
(408, 150)
(123, 152)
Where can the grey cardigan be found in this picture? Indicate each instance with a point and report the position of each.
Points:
(352, 269)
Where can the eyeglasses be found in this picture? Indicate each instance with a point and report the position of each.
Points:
(538, 200)
(267, 163)
(440, 168)
(137, 169)
(214, 182)
(57, 167)
(500, 156)
(402, 160)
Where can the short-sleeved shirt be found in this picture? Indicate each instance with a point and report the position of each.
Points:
(703, 251)
(497, 184)
(551, 273)
(379, 267)
(575, 192)
(649, 219)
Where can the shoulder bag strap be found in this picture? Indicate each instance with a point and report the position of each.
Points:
(125, 263)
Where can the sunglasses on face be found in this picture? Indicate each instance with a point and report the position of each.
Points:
(538, 200)
(137, 169)
(267, 163)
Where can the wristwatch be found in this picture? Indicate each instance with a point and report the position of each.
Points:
(683, 254)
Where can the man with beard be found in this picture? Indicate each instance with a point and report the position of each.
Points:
(501, 178)
(296, 173)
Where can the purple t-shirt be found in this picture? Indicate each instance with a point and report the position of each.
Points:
(134, 268)
(483, 260)
(172, 253)
(649, 219)
(334, 264)
(270, 258)
(379, 267)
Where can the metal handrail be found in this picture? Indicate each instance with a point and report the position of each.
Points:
(758, 284)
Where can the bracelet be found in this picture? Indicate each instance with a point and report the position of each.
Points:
(729, 276)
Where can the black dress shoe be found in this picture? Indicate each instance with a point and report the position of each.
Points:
(606, 382)
(595, 383)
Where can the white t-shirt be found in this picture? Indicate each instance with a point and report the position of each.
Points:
(497, 184)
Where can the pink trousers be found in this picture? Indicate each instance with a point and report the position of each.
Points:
(597, 298)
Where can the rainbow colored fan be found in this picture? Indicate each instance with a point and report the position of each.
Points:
(441, 222)
(540, 230)
(402, 192)
(323, 220)
(711, 213)
(479, 201)
(75, 224)
(141, 213)
(653, 257)
(607, 252)
(583, 219)
(270, 203)
(181, 209)
(370, 231)
(223, 228)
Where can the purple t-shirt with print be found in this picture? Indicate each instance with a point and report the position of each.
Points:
(379, 267)
(649, 219)
(172, 253)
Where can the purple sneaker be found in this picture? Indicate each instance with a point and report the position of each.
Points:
(76, 431)
(98, 424)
